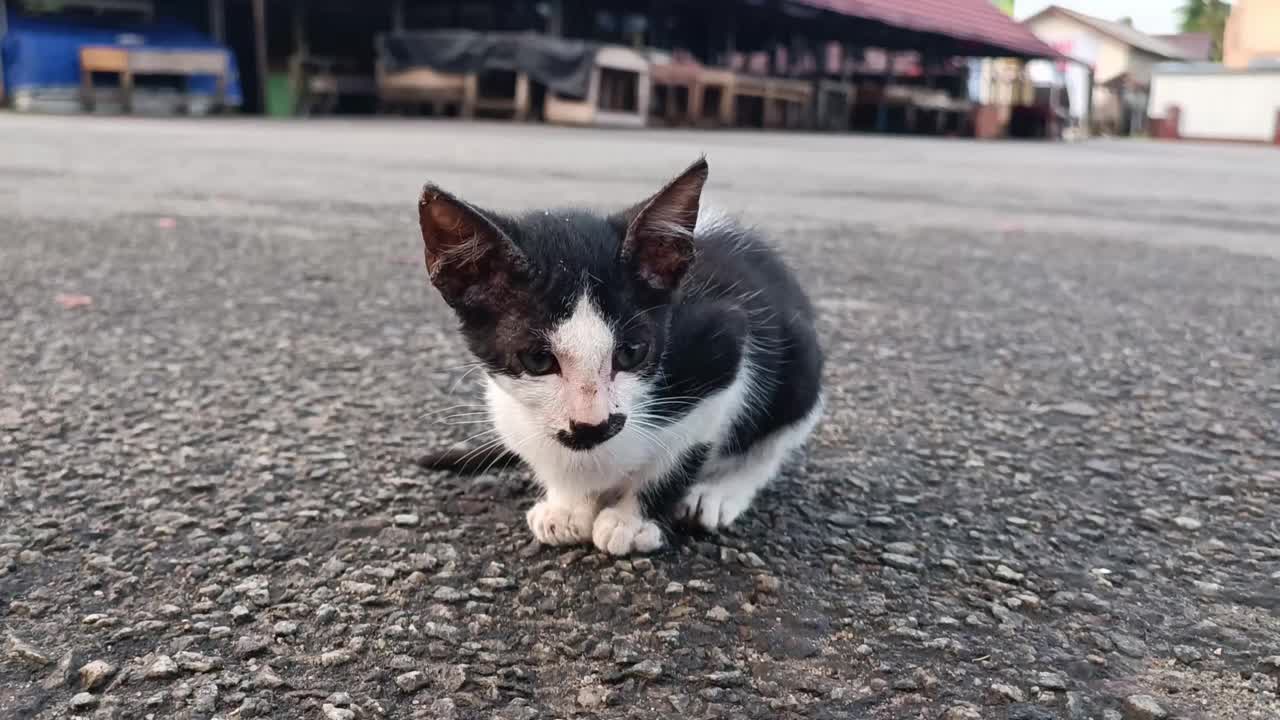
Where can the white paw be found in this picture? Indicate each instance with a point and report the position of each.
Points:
(619, 533)
(560, 524)
(714, 505)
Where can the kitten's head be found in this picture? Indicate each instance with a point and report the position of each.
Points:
(567, 310)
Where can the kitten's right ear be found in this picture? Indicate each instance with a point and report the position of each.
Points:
(469, 258)
(659, 234)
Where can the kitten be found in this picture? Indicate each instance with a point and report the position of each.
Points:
(660, 363)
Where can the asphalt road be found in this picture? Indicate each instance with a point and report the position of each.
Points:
(1046, 486)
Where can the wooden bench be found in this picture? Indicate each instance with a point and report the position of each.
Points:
(129, 63)
(437, 89)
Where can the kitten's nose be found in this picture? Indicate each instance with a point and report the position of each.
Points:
(584, 436)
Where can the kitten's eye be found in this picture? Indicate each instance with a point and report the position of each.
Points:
(538, 362)
(629, 355)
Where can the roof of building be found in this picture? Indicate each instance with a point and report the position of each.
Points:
(1122, 31)
(1213, 68)
(1196, 45)
(974, 21)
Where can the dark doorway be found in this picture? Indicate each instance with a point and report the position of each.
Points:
(241, 38)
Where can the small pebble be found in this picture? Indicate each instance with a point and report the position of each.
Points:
(249, 645)
(647, 669)
(25, 652)
(335, 657)
(1008, 574)
(961, 712)
(162, 668)
(333, 712)
(1052, 681)
(901, 562)
(1143, 707)
(412, 681)
(900, 548)
(718, 614)
(767, 584)
(1002, 694)
(448, 595)
(94, 675)
(594, 697)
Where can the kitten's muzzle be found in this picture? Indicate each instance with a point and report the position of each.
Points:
(583, 436)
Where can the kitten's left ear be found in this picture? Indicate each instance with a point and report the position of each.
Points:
(659, 239)
(471, 261)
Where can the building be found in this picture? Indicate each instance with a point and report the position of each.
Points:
(1253, 34)
(718, 62)
(1122, 58)
(1212, 102)
(1237, 100)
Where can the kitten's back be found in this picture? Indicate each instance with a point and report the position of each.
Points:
(737, 265)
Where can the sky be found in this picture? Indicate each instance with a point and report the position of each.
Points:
(1154, 17)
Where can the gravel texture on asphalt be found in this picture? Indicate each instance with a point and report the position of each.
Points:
(1046, 485)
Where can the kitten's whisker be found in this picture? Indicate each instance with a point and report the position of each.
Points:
(625, 326)
(514, 448)
(477, 436)
(645, 423)
(663, 402)
(643, 432)
(456, 383)
(479, 449)
(498, 457)
(441, 411)
(465, 416)
(682, 437)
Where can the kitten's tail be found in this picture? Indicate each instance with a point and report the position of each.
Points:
(469, 462)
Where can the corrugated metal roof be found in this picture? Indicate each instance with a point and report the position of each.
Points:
(978, 21)
(1196, 45)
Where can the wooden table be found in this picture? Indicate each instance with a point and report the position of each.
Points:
(131, 62)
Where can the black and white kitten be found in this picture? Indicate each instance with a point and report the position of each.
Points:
(660, 363)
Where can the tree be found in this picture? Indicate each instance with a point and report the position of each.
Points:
(1208, 16)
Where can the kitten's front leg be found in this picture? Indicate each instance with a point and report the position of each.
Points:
(622, 529)
(625, 526)
(563, 518)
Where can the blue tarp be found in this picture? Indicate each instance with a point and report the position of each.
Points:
(43, 54)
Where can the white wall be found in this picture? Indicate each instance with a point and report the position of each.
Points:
(1220, 105)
